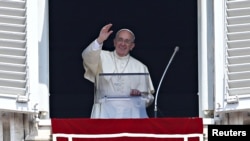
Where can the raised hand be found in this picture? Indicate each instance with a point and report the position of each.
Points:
(104, 33)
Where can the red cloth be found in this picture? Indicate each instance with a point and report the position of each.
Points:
(113, 126)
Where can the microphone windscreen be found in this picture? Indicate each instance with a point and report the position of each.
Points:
(176, 48)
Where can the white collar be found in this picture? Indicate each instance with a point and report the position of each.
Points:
(122, 58)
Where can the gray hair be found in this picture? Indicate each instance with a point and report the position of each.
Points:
(125, 29)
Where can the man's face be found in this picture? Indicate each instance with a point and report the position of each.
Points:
(123, 43)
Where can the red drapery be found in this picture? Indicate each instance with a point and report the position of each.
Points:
(112, 126)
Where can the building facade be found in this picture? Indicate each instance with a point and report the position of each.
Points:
(223, 58)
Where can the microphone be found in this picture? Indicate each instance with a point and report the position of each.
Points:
(176, 49)
(156, 96)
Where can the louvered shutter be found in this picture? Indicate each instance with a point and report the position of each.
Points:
(237, 75)
(14, 71)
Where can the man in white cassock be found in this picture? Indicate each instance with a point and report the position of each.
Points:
(97, 61)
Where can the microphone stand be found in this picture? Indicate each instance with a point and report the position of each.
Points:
(155, 108)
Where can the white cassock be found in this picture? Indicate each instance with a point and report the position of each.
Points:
(97, 61)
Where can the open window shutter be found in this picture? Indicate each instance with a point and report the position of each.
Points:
(237, 55)
(14, 78)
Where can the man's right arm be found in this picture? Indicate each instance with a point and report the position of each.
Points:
(91, 58)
